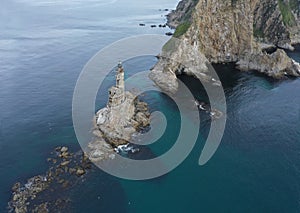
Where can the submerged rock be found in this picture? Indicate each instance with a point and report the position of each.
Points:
(33, 196)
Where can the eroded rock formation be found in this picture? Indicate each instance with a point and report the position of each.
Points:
(230, 31)
(116, 123)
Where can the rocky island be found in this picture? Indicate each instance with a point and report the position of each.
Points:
(115, 124)
(250, 33)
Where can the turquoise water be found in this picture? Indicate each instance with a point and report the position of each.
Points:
(43, 48)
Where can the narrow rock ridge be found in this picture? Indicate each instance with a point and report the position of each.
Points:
(47, 192)
(238, 31)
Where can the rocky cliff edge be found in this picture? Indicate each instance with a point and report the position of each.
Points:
(238, 31)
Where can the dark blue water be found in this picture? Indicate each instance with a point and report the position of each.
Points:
(43, 47)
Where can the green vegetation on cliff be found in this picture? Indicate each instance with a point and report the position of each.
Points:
(257, 32)
(295, 4)
(181, 29)
(286, 12)
(188, 14)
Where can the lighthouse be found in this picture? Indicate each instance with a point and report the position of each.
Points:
(120, 77)
(117, 92)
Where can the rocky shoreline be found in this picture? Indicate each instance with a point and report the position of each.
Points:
(228, 32)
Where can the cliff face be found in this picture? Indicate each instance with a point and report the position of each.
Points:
(223, 30)
(276, 22)
(233, 31)
(272, 21)
(183, 13)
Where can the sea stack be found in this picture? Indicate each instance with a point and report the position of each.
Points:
(123, 115)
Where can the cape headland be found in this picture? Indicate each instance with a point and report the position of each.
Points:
(250, 33)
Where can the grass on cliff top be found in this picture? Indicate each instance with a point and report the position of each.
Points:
(181, 29)
(187, 16)
(286, 12)
(295, 4)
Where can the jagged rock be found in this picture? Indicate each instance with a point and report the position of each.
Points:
(65, 163)
(64, 155)
(60, 174)
(121, 118)
(16, 187)
(166, 80)
(117, 122)
(80, 172)
(178, 57)
(276, 65)
(142, 119)
(227, 31)
(64, 149)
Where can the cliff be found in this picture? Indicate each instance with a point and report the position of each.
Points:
(238, 31)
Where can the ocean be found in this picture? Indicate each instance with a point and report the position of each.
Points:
(44, 45)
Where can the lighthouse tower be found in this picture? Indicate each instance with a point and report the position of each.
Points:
(117, 93)
(120, 77)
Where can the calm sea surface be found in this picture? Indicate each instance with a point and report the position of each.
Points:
(44, 44)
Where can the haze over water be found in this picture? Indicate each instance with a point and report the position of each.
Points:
(43, 47)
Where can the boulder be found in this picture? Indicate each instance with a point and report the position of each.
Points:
(80, 172)
(64, 149)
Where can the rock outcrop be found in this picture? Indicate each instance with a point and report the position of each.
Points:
(275, 21)
(182, 13)
(230, 31)
(43, 193)
(190, 61)
(115, 124)
(276, 65)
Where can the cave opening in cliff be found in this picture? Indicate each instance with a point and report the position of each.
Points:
(270, 50)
